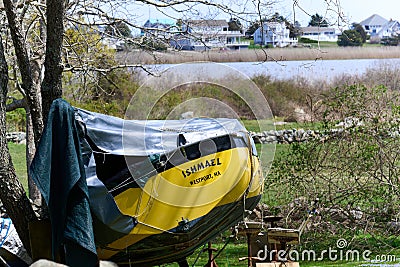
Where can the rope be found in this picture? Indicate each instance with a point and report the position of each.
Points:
(198, 255)
(8, 229)
(1, 230)
(219, 252)
(250, 148)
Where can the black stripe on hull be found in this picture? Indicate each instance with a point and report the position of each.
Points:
(113, 171)
(171, 247)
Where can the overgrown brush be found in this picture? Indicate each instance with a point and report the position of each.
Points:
(110, 93)
(292, 100)
(354, 170)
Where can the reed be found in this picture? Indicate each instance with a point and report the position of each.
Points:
(256, 55)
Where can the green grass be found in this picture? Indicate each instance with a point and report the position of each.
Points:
(257, 125)
(321, 44)
(236, 249)
(325, 44)
(18, 155)
(254, 125)
(343, 263)
(227, 257)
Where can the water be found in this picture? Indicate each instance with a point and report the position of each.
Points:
(312, 70)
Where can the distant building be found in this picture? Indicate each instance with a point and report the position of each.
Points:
(378, 27)
(208, 34)
(182, 42)
(159, 28)
(275, 34)
(319, 34)
(390, 29)
(373, 24)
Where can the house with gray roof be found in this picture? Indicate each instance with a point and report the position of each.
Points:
(378, 27)
(373, 24)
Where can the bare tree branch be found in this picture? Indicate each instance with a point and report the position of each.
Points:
(107, 70)
(15, 104)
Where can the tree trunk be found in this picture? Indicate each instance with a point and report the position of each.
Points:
(12, 194)
(33, 99)
(52, 84)
(34, 193)
(36, 66)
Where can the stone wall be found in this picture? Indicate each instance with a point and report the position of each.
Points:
(284, 136)
(16, 137)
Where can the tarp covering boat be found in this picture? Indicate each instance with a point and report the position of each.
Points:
(157, 189)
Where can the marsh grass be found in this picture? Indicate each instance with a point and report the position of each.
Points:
(316, 52)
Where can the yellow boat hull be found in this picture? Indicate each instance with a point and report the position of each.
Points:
(183, 207)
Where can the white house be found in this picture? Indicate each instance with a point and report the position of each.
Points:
(275, 34)
(392, 28)
(378, 27)
(208, 34)
(319, 34)
(373, 24)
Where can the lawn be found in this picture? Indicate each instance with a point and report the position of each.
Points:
(237, 249)
(254, 125)
(18, 156)
(227, 257)
(320, 44)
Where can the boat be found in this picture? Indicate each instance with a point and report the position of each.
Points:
(159, 189)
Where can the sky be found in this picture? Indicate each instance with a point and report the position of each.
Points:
(353, 10)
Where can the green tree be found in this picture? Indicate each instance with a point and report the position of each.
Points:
(235, 25)
(84, 47)
(391, 41)
(277, 18)
(317, 21)
(118, 29)
(294, 28)
(360, 29)
(254, 25)
(350, 38)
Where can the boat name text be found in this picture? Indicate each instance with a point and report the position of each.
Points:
(201, 166)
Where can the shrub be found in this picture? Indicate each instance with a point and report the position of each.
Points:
(307, 41)
(287, 96)
(110, 94)
(194, 96)
(350, 38)
(16, 120)
(354, 172)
